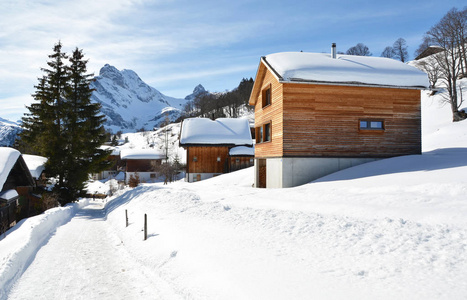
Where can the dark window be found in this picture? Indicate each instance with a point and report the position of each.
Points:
(263, 133)
(371, 125)
(266, 97)
(259, 134)
(267, 132)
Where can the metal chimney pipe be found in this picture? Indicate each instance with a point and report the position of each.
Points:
(333, 50)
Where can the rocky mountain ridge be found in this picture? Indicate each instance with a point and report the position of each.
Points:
(130, 104)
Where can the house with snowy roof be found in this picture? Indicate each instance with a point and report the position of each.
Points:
(317, 113)
(15, 182)
(36, 166)
(141, 162)
(214, 147)
(114, 161)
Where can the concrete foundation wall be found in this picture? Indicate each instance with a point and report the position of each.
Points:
(143, 176)
(290, 171)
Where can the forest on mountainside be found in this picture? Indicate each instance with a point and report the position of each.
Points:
(230, 104)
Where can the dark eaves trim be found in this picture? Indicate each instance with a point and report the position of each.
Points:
(215, 145)
(263, 58)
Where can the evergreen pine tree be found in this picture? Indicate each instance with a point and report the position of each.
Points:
(43, 125)
(84, 127)
(64, 126)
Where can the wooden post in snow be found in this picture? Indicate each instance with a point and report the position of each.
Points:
(126, 218)
(145, 227)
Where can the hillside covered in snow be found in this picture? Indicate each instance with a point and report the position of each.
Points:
(8, 132)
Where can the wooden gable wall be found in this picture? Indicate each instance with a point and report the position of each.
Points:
(271, 113)
(19, 176)
(206, 159)
(141, 165)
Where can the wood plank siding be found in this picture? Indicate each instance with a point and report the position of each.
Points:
(271, 113)
(240, 162)
(204, 159)
(142, 165)
(312, 120)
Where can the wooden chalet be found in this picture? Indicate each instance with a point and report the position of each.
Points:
(215, 147)
(36, 166)
(116, 165)
(318, 113)
(16, 182)
(141, 162)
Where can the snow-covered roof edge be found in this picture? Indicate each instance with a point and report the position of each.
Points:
(350, 70)
(242, 151)
(8, 158)
(129, 154)
(35, 163)
(219, 132)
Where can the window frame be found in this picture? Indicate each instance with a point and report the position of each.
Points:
(369, 127)
(264, 133)
(267, 132)
(266, 96)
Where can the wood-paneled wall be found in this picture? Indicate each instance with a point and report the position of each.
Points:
(141, 165)
(206, 159)
(271, 113)
(323, 120)
(240, 162)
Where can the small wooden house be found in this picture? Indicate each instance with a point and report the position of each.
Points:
(36, 166)
(215, 147)
(141, 162)
(15, 182)
(116, 165)
(318, 113)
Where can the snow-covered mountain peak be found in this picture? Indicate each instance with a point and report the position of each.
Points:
(198, 90)
(113, 74)
(8, 132)
(129, 103)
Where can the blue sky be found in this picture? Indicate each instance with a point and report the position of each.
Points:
(175, 45)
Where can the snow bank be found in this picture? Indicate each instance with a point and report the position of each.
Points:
(18, 248)
(351, 69)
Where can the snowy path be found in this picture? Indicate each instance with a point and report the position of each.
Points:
(85, 260)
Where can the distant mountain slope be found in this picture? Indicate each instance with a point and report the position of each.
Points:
(130, 104)
(8, 132)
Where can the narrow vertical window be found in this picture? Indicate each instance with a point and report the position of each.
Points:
(267, 132)
(266, 97)
(259, 134)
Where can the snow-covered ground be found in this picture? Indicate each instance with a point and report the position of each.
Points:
(391, 229)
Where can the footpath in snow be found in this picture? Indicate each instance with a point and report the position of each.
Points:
(84, 259)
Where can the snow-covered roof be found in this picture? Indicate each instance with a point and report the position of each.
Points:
(35, 164)
(344, 69)
(115, 150)
(8, 158)
(222, 131)
(8, 195)
(141, 154)
(242, 150)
